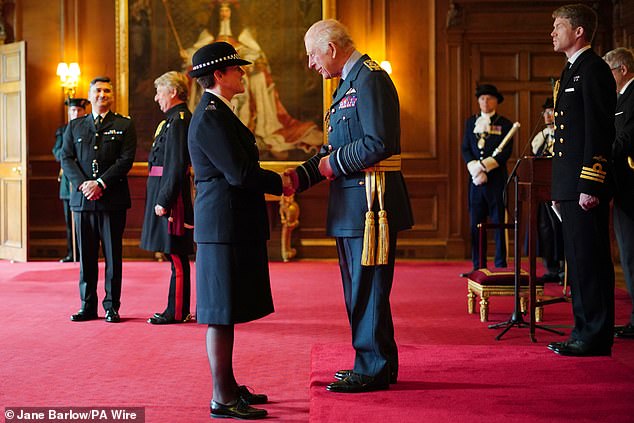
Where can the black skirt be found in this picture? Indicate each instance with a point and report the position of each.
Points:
(232, 282)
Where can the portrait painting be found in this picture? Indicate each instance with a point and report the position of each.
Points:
(283, 100)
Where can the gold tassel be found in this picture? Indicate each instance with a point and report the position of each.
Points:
(369, 239)
(383, 247)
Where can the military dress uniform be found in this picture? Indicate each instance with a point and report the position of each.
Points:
(105, 154)
(623, 159)
(168, 185)
(584, 131)
(232, 224)
(363, 130)
(487, 199)
(64, 192)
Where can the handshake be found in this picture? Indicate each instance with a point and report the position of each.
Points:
(290, 180)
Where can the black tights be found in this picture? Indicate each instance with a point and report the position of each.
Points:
(220, 354)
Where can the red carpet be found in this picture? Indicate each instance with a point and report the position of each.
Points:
(449, 359)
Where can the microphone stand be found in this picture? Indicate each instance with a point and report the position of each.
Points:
(516, 318)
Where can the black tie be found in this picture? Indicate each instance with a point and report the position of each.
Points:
(98, 122)
(564, 72)
(338, 87)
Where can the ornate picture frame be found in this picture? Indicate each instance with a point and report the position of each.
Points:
(156, 36)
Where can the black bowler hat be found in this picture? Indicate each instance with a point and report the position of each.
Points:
(214, 56)
(548, 104)
(490, 90)
(77, 102)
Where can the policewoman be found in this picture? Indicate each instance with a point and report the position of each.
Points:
(232, 225)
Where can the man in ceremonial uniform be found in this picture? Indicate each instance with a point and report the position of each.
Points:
(483, 134)
(361, 159)
(621, 62)
(97, 154)
(584, 132)
(76, 109)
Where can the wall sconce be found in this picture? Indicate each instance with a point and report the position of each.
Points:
(387, 66)
(69, 77)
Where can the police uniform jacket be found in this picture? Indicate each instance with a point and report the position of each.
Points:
(171, 190)
(623, 148)
(88, 154)
(64, 190)
(499, 127)
(230, 184)
(583, 141)
(363, 129)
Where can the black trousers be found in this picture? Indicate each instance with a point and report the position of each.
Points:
(366, 290)
(179, 294)
(95, 229)
(590, 270)
(68, 219)
(624, 231)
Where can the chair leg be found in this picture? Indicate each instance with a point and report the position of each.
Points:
(470, 301)
(484, 309)
(539, 314)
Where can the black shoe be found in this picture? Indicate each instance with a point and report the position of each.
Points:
(626, 331)
(467, 274)
(342, 374)
(358, 383)
(166, 319)
(239, 410)
(555, 345)
(66, 259)
(83, 316)
(578, 348)
(551, 277)
(112, 316)
(251, 397)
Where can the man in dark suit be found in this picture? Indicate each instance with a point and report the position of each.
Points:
(621, 62)
(584, 131)
(76, 109)
(363, 149)
(98, 152)
(483, 134)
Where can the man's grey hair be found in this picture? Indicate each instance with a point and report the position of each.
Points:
(329, 31)
(620, 57)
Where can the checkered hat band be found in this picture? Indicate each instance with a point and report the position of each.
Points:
(213, 62)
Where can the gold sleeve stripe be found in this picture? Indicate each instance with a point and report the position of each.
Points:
(592, 174)
(592, 178)
(593, 170)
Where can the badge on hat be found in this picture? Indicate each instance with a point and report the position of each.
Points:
(77, 102)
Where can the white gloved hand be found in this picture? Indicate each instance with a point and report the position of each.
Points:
(479, 179)
(474, 167)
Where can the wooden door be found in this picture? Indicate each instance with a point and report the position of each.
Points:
(13, 152)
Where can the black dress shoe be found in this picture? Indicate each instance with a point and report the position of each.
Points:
(112, 316)
(66, 259)
(550, 277)
(358, 383)
(239, 410)
(166, 319)
(342, 374)
(467, 274)
(554, 345)
(626, 331)
(578, 348)
(83, 316)
(251, 397)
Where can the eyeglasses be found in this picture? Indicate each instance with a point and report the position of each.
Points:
(616, 67)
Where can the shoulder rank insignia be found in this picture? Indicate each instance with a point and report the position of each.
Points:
(125, 117)
(182, 114)
(372, 65)
(211, 105)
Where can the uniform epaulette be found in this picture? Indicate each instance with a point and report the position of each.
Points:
(182, 115)
(120, 115)
(211, 105)
(372, 65)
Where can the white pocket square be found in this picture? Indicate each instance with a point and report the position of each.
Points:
(569, 90)
(618, 113)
